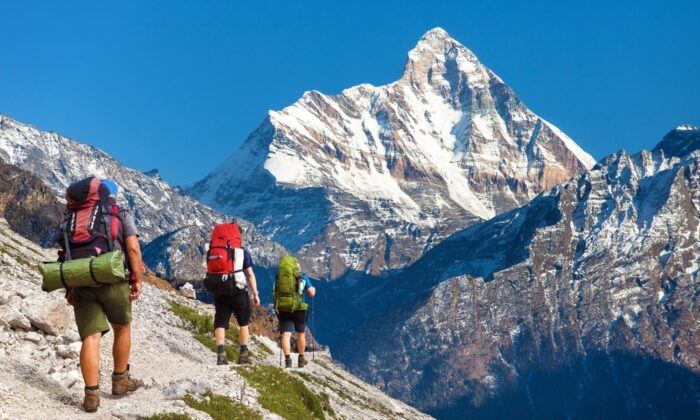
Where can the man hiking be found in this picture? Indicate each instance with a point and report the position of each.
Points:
(93, 225)
(229, 276)
(288, 294)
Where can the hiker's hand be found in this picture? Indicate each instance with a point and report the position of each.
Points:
(69, 296)
(135, 291)
(256, 299)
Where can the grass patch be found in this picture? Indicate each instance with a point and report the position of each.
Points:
(168, 416)
(326, 404)
(283, 394)
(339, 390)
(222, 408)
(202, 327)
(262, 347)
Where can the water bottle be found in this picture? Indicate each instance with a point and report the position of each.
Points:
(301, 283)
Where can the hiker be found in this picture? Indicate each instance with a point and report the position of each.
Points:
(93, 225)
(229, 276)
(288, 294)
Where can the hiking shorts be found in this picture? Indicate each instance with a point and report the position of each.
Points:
(238, 304)
(292, 321)
(96, 307)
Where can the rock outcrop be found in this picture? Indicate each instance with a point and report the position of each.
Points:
(28, 205)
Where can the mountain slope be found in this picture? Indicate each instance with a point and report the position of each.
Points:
(39, 359)
(368, 179)
(157, 207)
(584, 303)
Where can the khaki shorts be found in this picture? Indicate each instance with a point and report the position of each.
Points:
(95, 306)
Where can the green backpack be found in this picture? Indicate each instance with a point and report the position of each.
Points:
(286, 295)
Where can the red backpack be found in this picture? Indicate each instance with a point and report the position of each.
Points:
(91, 222)
(225, 238)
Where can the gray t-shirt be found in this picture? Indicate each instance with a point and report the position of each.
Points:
(127, 228)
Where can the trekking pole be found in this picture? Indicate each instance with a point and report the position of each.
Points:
(313, 325)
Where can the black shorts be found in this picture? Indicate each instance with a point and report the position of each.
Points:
(292, 320)
(238, 304)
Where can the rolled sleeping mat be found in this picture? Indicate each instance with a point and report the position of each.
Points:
(108, 268)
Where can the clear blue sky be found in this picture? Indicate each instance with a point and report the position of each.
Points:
(179, 85)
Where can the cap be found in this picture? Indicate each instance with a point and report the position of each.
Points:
(112, 186)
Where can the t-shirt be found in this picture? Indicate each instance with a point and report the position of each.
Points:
(307, 281)
(127, 228)
(247, 259)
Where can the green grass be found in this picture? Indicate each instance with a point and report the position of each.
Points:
(262, 347)
(168, 416)
(283, 394)
(222, 408)
(326, 404)
(202, 327)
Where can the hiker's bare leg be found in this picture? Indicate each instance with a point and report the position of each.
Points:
(301, 343)
(286, 340)
(90, 359)
(243, 335)
(219, 335)
(121, 347)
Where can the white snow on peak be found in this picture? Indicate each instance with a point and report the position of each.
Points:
(686, 127)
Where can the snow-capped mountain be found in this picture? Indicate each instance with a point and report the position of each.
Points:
(581, 304)
(369, 179)
(158, 208)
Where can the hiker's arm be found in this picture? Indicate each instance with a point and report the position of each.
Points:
(133, 253)
(253, 285)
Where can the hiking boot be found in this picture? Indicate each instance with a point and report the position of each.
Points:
(91, 401)
(221, 359)
(301, 361)
(287, 362)
(244, 358)
(123, 383)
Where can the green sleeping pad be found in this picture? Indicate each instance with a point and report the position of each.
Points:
(94, 271)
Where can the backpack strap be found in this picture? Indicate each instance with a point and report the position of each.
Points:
(107, 219)
(66, 245)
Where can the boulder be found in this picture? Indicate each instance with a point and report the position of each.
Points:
(13, 318)
(71, 351)
(34, 337)
(187, 290)
(49, 315)
(5, 297)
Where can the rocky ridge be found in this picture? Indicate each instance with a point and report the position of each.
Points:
(584, 303)
(39, 370)
(159, 209)
(369, 179)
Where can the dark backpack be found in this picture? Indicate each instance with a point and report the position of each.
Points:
(90, 224)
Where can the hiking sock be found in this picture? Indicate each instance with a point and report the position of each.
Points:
(220, 349)
(288, 357)
(244, 348)
(115, 373)
(92, 388)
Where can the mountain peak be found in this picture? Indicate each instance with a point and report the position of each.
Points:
(680, 141)
(437, 57)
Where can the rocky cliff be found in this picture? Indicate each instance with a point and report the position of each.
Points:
(27, 204)
(581, 304)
